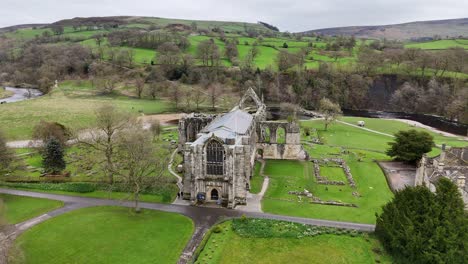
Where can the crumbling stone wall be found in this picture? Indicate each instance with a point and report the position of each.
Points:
(272, 149)
(190, 125)
(451, 164)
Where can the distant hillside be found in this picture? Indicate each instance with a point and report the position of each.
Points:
(408, 31)
(157, 22)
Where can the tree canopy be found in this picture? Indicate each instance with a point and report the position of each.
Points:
(410, 145)
(419, 226)
(52, 158)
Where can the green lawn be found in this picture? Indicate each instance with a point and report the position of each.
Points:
(21, 208)
(257, 180)
(4, 93)
(346, 136)
(371, 184)
(229, 247)
(107, 235)
(393, 126)
(288, 176)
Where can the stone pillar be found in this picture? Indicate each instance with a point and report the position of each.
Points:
(273, 135)
(461, 182)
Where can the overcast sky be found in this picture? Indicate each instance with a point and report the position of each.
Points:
(291, 15)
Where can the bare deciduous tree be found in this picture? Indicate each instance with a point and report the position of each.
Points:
(139, 166)
(198, 97)
(139, 86)
(155, 128)
(152, 90)
(213, 90)
(109, 123)
(329, 110)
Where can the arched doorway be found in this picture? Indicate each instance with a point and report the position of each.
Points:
(214, 195)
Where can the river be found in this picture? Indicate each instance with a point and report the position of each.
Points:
(21, 94)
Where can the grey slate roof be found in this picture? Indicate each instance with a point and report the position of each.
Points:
(228, 126)
(237, 122)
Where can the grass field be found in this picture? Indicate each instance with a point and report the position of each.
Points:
(359, 144)
(288, 176)
(4, 93)
(229, 247)
(72, 106)
(106, 235)
(20, 208)
(393, 126)
(439, 44)
(257, 180)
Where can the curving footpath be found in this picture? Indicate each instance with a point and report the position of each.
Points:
(203, 217)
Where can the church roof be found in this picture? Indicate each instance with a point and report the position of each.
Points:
(236, 122)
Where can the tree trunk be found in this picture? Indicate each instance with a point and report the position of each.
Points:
(137, 203)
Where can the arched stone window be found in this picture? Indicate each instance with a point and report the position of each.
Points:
(214, 158)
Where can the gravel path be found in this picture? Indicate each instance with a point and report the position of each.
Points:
(203, 217)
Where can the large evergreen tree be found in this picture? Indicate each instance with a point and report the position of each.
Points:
(410, 145)
(52, 157)
(418, 226)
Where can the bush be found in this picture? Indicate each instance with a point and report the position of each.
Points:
(79, 187)
(217, 229)
(267, 228)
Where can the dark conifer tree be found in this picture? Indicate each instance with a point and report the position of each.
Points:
(52, 157)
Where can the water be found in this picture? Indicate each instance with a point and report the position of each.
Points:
(21, 94)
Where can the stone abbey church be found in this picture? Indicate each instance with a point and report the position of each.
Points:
(219, 151)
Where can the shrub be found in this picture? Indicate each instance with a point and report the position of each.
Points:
(217, 229)
(267, 228)
(79, 187)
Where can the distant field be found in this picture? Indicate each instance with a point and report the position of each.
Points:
(72, 106)
(439, 44)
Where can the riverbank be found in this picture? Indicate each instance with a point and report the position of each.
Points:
(5, 93)
(18, 94)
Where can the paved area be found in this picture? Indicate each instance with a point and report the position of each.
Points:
(254, 201)
(178, 200)
(399, 174)
(203, 217)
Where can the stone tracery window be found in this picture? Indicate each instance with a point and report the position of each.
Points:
(215, 158)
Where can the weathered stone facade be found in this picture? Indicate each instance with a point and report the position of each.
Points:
(452, 164)
(219, 151)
